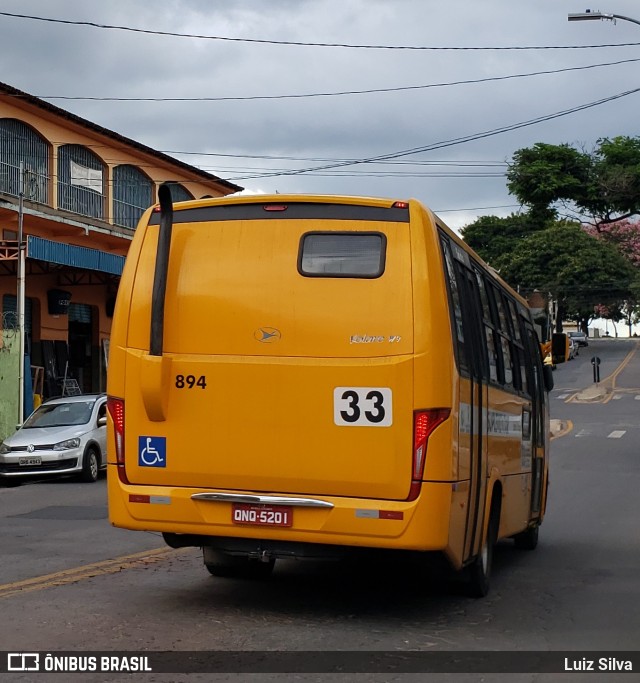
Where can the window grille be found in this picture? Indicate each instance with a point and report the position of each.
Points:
(79, 313)
(20, 143)
(179, 193)
(81, 180)
(132, 195)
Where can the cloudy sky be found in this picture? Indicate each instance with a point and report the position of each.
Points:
(243, 104)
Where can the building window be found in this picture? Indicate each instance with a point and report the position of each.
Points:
(20, 143)
(80, 181)
(132, 195)
(179, 193)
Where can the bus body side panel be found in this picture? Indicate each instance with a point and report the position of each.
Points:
(437, 383)
(434, 366)
(122, 320)
(510, 455)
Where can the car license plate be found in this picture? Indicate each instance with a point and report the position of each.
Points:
(30, 460)
(262, 515)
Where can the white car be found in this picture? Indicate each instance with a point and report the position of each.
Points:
(580, 338)
(63, 436)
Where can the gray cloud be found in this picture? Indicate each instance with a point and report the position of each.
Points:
(47, 59)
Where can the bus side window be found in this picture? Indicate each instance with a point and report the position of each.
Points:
(517, 347)
(489, 332)
(505, 340)
(456, 309)
(471, 307)
(504, 363)
(536, 380)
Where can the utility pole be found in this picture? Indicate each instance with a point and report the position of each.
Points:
(21, 295)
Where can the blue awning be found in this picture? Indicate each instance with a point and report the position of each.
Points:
(70, 255)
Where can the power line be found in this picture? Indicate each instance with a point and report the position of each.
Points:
(455, 141)
(263, 41)
(477, 208)
(426, 148)
(241, 98)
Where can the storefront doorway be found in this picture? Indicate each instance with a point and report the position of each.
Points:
(81, 345)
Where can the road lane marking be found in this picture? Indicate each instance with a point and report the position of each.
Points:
(614, 375)
(618, 434)
(86, 571)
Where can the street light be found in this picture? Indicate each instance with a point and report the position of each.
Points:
(590, 15)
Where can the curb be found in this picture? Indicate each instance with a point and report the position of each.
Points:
(596, 393)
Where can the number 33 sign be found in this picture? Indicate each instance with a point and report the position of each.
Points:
(362, 407)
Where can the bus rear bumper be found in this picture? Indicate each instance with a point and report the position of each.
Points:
(420, 525)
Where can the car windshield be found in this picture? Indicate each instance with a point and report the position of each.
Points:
(60, 415)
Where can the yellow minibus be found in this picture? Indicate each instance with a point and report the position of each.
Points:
(310, 376)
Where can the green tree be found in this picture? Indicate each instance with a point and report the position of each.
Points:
(599, 187)
(495, 238)
(579, 270)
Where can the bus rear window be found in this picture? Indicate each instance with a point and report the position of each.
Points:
(341, 254)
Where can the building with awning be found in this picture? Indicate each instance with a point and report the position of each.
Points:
(79, 190)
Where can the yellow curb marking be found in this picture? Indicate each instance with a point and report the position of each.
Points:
(86, 571)
(568, 427)
(608, 383)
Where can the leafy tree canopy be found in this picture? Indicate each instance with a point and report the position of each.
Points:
(578, 269)
(624, 234)
(601, 186)
(495, 238)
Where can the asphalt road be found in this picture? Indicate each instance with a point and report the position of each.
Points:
(60, 589)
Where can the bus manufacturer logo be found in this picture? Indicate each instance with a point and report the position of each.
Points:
(267, 335)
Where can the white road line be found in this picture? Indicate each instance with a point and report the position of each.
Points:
(583, 432)
(562, 397)
(618, 434)
(617, 397)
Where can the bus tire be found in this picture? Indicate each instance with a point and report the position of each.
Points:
(480, 569)
(528, 539)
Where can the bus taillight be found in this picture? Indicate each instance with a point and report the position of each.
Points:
(424, 422)
(115, 407)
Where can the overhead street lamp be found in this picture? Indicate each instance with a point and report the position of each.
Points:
(590, 15)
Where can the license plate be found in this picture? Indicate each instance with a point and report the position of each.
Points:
(30, 460)
(262, 515)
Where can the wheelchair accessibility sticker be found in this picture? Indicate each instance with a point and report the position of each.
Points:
(152, 451)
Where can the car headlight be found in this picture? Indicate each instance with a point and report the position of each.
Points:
(4, 448)
(66, 445)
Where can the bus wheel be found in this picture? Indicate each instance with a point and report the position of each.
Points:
(231, 566)
(480, 569)
(527, 540)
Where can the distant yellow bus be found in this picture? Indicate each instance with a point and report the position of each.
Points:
(309, 376)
